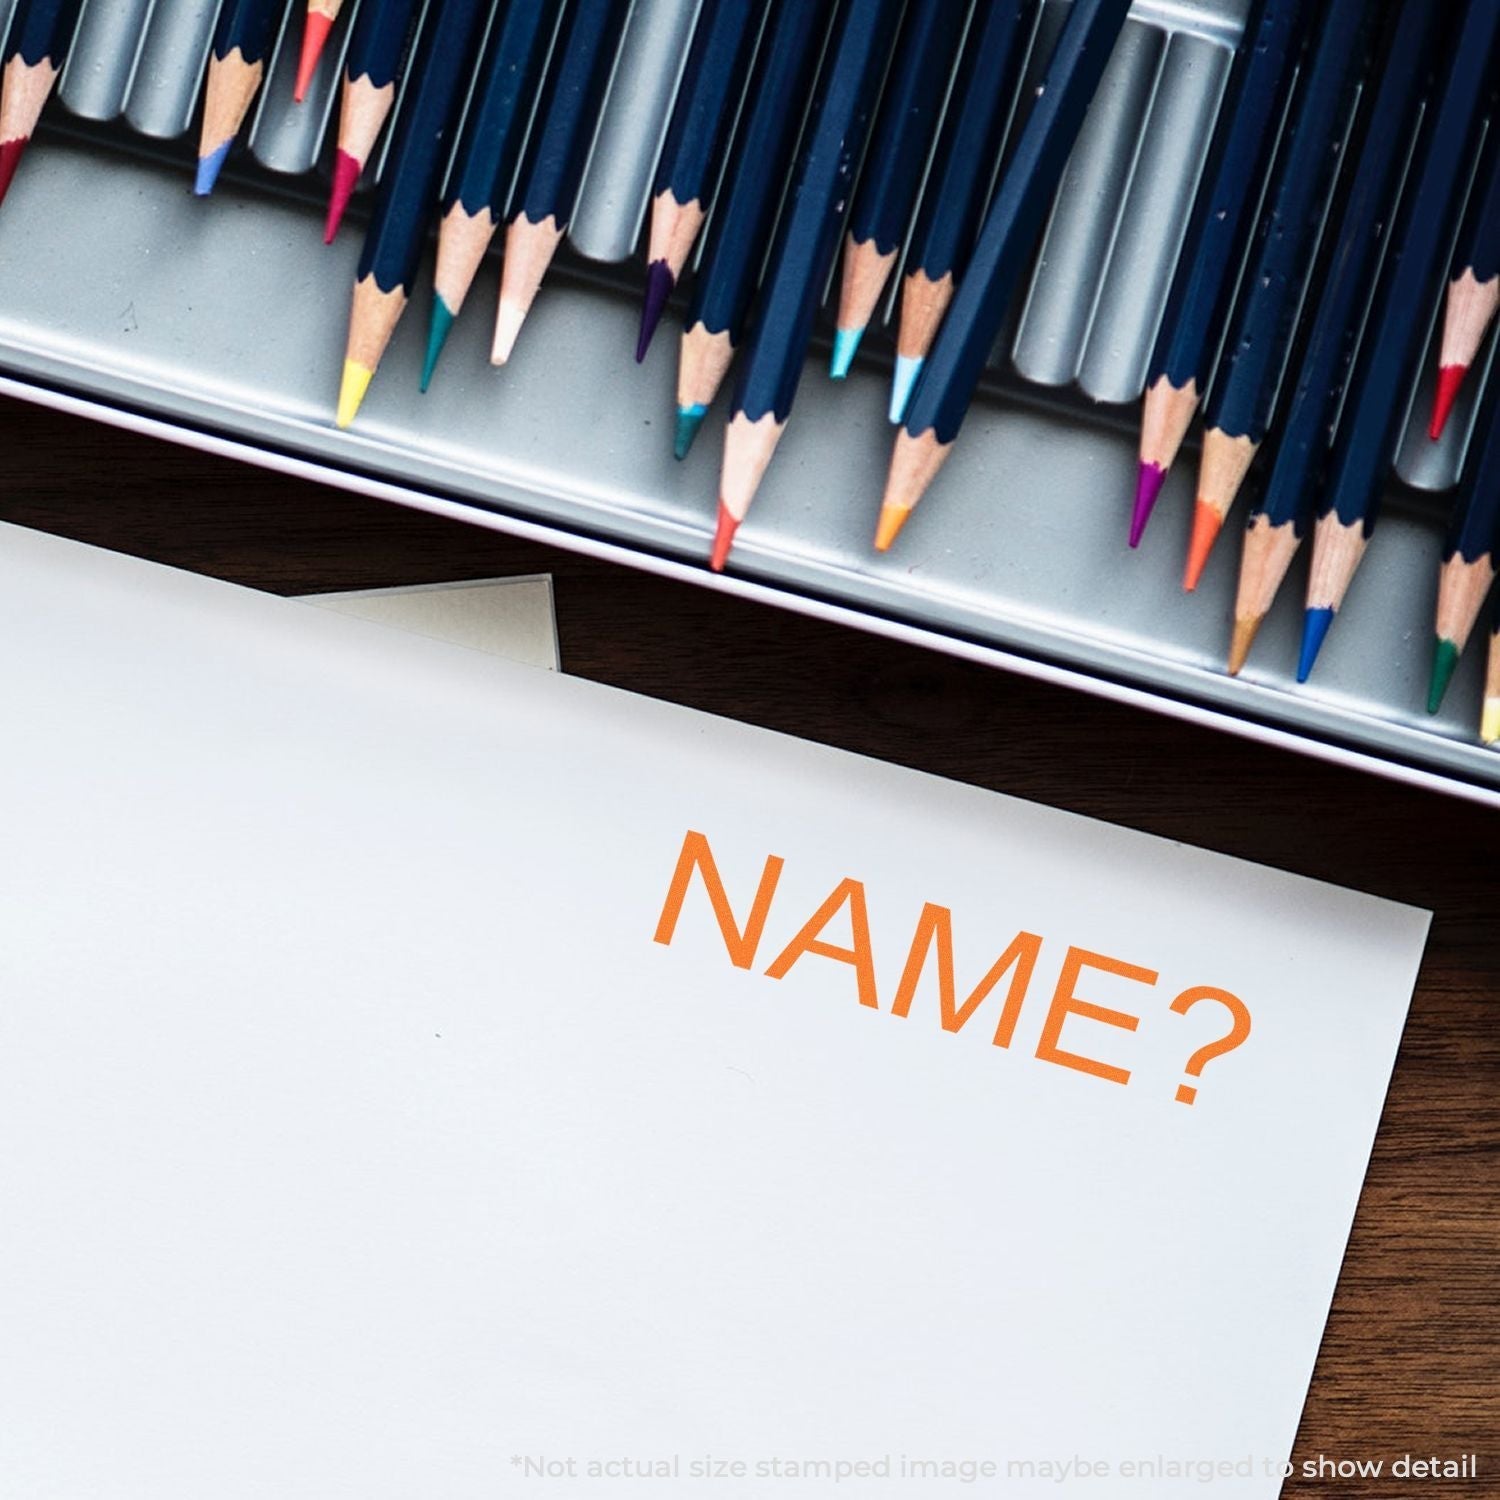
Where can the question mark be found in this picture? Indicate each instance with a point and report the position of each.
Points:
(1236, 1007)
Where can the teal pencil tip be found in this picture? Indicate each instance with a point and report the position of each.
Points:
(1315, 626)
(845, 346)
(1444, 660)
(689, 420)
(903, 382)
(437, 336)
(209, 168)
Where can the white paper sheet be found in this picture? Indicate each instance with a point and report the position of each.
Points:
(358, 1137)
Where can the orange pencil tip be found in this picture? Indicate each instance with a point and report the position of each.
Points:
(1450, 380)
(888, 528)
(723, 539)
(314, 39)
(1206, 525)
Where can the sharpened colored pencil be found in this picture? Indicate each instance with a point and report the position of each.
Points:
(408, 191)
(1012, 227)
(1280, 518)
(1213, 247)
(1474, 291)
(489, 148)
(735, 248)
(892, 171)
(1468, 567)
(806, 244)
(377, 49)
(1264, 324)
(236, 66)
(964, 162)
(36, 46)
(321, 14)
(692, 155)
(1369, 430)
(547, 189)
(1489, 730)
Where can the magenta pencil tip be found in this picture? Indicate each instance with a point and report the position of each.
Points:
(659, 284)
(346, 170)
(1148, 482)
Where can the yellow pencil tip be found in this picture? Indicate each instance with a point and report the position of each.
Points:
(352, 390)
(892, 519)
(1489, 729)
(1243, 639)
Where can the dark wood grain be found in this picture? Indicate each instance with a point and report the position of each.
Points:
(1411, 1362)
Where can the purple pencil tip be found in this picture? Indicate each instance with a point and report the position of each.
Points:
(1148, 482)
(659, 284)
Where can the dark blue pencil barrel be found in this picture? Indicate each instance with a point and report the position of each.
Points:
(41, 31)
(378, 40)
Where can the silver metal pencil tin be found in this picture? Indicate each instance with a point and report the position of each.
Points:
(221, 323)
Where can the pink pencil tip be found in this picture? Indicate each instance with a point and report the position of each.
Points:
(346, 172)
(1449, 382)
(10, 159)
(723, 539)
(1148, 482)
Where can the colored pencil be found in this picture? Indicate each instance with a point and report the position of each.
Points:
(1489, 730)
(1264, 323)
(1474, 291)
(1369, 430)
(1012, 227)
(892, 173)
(489, 147)
(806, 243)
(692, 155)
(1280, 518)
(408, 188)
(36, 46)
(1468, 567)
(377, 49)
(1213, 246)
(735, 248)
(556, 154)
(963, 165)
(236, 66)
(321, 14)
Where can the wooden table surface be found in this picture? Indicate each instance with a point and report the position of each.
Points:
(1411, 1361)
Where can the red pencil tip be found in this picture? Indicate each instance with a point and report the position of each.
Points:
(10, 159)
(314, 37)
(345, 179)
(723, 539)
(1450, 379)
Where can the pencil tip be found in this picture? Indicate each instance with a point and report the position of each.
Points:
(1489, 726)
(314, 36)
(723, 538)
(845, 346)
(1444, 660)
(508, 320)
(209, 168)
(10, 159)
(892, 518)
(1149, 479)
(1315, 625)
(346, 170)
(1450, 380)
(1241, 642)
(659, 284)
(352, 388)
(1206, 524)
(437, 336)
(903, 382)
(689, 420)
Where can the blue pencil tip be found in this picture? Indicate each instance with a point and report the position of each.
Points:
(903, 382)
(845, 346)
(689, 420)
(437, 336)
(1315, 625)
(209, 168)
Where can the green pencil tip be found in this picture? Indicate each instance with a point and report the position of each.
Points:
(689, 420)
(437, 336)
(1444, 660)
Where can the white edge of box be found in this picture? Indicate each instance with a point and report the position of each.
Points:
(993, 656)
